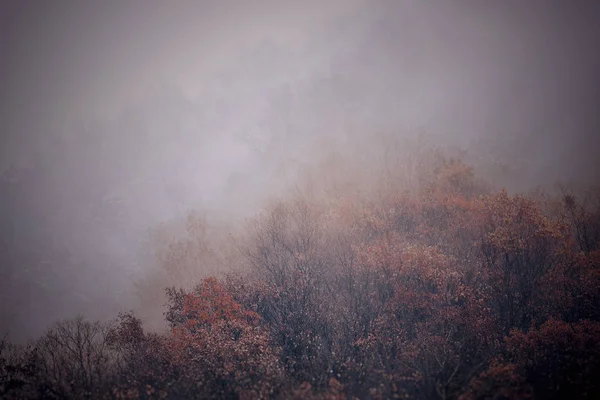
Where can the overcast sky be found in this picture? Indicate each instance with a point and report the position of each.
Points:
(118, 115)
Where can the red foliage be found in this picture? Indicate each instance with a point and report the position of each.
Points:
(220, 346)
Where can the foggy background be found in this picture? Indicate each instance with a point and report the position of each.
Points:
(118, 116)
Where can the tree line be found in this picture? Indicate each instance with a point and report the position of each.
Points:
(453, 290)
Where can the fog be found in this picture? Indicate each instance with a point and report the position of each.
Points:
(119, 116)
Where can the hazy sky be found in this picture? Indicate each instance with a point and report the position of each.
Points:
(118, 115)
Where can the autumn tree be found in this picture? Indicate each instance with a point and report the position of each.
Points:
(519, 245)
(219, 347)
(555, 361)
(287, 248)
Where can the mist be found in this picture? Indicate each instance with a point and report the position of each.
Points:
(118, 117)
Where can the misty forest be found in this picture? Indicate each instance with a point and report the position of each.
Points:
(299, 200)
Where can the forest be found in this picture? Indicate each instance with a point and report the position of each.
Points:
(341, 199)
(452, 289)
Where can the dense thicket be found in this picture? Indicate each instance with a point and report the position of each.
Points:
(448, 291)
